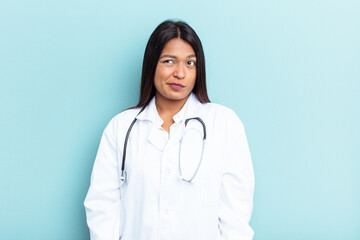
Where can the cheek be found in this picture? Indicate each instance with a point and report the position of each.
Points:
(157, 77)
(193, 77)
(161, 74)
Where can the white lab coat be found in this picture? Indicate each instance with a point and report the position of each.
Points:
(154, 203)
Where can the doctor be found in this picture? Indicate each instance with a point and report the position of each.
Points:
(187, 171)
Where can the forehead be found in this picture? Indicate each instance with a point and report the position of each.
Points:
(177, 46)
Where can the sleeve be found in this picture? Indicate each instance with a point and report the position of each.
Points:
(237, 187)
(102, 202)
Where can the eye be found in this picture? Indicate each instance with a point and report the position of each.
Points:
(191, 63)
(168, 61)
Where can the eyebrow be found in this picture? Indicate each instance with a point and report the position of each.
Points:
(172, 56)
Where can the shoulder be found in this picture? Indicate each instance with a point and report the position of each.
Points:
(126, 115)
(122, 119)
(221, 113)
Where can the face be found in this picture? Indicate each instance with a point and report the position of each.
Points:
(175, 72)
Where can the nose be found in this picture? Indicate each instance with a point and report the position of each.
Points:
(179, 71)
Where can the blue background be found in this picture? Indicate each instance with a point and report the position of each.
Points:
(290, 69)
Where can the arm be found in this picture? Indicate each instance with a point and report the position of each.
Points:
(237, 188)
(102, 203)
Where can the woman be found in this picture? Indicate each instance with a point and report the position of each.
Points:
(187, 172)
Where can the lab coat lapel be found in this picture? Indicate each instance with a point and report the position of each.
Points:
(150, 114)
(156, 139)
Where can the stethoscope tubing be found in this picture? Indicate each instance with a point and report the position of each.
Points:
(123, 172)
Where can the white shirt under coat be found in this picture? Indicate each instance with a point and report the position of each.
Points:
(154, 203)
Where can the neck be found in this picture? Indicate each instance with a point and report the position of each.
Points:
(168, 108)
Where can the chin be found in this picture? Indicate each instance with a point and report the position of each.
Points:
(179, 96)
(175, 96)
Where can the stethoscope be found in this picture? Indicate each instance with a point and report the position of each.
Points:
(123, 176)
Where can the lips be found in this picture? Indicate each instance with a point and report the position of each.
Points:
(176, 86)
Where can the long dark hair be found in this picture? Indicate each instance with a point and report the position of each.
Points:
(166, 31)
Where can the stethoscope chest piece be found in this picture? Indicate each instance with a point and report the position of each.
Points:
(123, 177)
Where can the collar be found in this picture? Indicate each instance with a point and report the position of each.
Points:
(192, 108)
